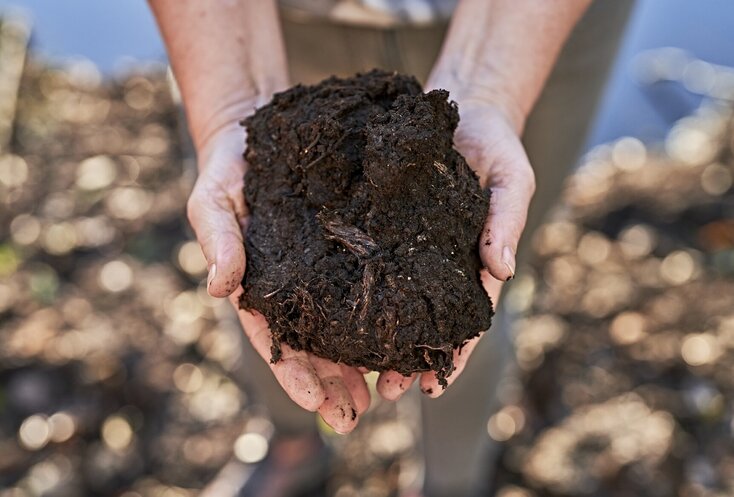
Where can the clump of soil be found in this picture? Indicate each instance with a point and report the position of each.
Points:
(362, 242)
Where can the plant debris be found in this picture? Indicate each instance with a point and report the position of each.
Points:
(362, 242)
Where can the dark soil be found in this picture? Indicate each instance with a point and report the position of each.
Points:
(362, 242)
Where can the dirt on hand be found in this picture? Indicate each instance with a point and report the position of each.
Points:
(364, 225)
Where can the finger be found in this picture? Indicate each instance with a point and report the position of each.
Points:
(338, 409)
(217, 218)
(512, 188)
(391, 385)
(428, 382)
(354, 381)
(294, 371)
(491, 285)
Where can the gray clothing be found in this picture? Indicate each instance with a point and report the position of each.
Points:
(375, 13)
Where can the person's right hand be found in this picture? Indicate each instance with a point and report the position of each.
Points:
(218, 213)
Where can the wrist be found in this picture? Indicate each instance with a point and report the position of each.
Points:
(222, 119)
(230, 137)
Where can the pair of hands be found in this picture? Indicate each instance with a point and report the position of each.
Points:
(488, 139)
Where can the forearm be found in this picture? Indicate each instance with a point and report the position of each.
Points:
(503, 50)
(227, 56)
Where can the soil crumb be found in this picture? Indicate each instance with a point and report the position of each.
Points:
(364, 225)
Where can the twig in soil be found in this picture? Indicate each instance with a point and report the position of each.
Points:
(354, 239)
(368, 282)
(446, 349)
(268, 295)
(443, 171)
(427, 358)
(312, 144)
(328, 152)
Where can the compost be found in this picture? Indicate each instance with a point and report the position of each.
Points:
(362, 243)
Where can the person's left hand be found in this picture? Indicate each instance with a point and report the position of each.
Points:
(489, 138)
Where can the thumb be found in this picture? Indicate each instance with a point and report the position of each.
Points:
(218, 227)
(512, 192)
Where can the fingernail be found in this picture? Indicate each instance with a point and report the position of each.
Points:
(210, 277)
(508, 258)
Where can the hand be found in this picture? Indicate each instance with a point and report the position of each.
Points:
(488, 137)
(218, 214)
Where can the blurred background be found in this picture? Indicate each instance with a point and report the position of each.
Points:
(120, 376)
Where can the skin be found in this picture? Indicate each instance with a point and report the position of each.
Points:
(493, 65)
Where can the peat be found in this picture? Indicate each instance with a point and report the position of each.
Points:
(364, 225)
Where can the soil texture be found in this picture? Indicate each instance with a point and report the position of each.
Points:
(362, 243)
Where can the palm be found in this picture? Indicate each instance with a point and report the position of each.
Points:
(219, 216)
(339, 393)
